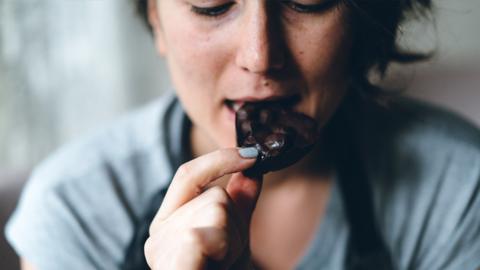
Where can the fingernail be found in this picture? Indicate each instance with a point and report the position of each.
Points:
(248, 152)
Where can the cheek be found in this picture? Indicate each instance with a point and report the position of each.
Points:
(323, 53)
(191, 67)
(187, 59)
(323, 59)
(190, 54)
(196, 63)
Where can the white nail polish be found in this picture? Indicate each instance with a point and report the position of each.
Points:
(248, 152)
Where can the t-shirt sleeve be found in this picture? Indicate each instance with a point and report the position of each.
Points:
(82, 207)
(435, 224)
(61, 222)
(457, 244)
(449, 230)
(425, 170)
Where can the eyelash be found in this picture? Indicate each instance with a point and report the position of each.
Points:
(220, 10)
(309, 8)
(212, 11)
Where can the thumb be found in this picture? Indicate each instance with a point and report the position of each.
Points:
(244, 192)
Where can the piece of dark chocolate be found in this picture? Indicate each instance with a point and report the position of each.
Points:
(281, 135)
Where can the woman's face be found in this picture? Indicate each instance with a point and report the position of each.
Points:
(221, 53)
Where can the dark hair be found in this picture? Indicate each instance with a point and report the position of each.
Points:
(375, 26)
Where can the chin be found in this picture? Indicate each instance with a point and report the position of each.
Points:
(221, 138)
(227, 142)
(229, 139)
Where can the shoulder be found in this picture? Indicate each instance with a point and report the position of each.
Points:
(425, 173)
(415, 145)
(420, 137)
(107, 177)
(409, 119)
(118, 151)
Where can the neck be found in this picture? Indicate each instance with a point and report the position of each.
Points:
(200, 143)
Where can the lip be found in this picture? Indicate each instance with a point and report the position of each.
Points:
(230, 106)
(286, 101)
(229, 112)
(260, 99)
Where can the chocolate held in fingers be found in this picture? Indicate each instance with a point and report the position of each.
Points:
(281, 135)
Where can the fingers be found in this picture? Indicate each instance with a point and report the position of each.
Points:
(215, 244)
(203, 232)
(192, 225)
(203, 205)
(201, 245)
(212, 208)
(244, 192)
(215, 194)
(192, 177)
(214, 212)
(213, 241)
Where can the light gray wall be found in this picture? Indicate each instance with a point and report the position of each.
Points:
(69, 66)
(452, 77)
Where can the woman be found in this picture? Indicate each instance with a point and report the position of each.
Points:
(385, 188)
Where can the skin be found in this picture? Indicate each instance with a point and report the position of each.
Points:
(269, 55)
(256, 50)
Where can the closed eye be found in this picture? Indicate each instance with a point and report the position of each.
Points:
(301, 8)
(212, 11)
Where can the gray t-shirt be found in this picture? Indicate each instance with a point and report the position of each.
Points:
(84, 206)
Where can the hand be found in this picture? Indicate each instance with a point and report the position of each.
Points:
(200, 229)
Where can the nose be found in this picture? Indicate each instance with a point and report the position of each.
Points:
(260, 49)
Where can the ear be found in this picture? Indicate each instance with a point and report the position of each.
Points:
(154, 20)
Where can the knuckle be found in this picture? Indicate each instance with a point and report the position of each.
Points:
(183, 171)
(219, 209)
(221, 247)
(218, 213)
(147, 247)
(153, 227)
(192, 238)
(219, 194)
(220, 154)
(156, 226)
(148, 250)
(223, 153)
(224, 156)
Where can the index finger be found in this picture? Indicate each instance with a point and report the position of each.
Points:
(192, 177)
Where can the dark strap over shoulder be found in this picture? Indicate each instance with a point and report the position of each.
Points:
(367, 248)
(178, 153)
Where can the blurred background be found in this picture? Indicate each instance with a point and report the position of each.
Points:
(70, 66)
(67, 67)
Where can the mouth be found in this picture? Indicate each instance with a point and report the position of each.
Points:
(287, 102)
(233, 105)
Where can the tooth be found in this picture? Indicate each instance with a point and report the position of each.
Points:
(236, 106)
